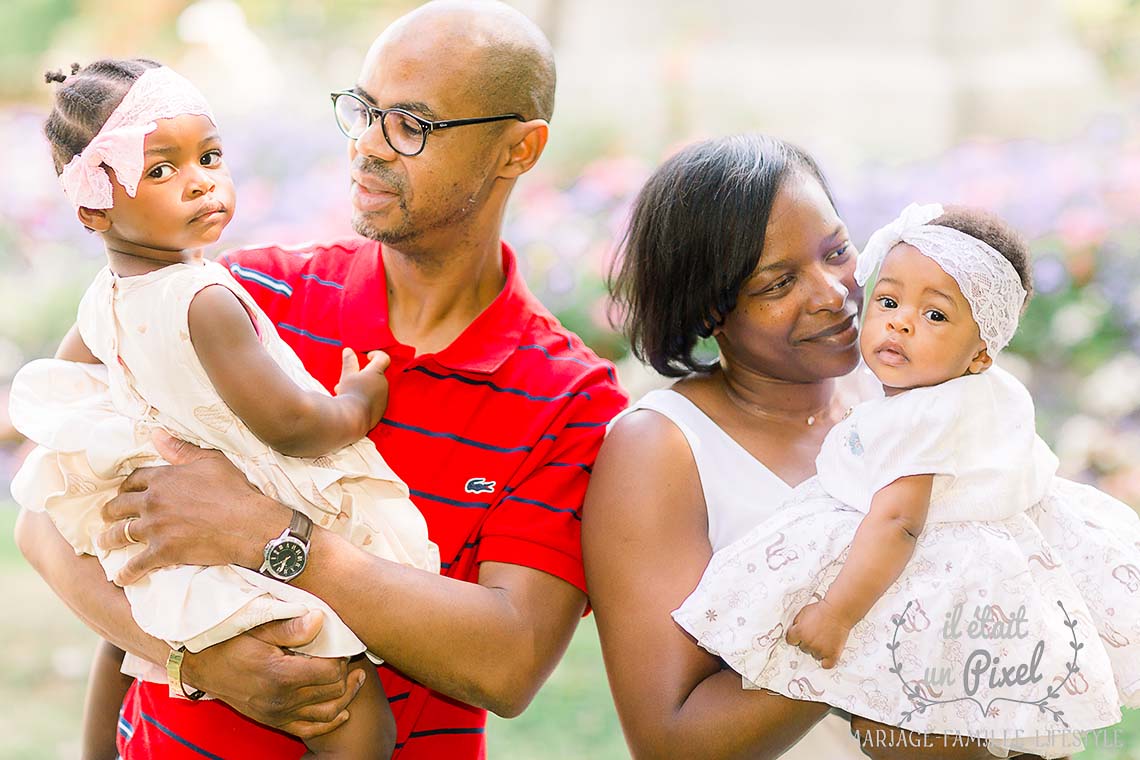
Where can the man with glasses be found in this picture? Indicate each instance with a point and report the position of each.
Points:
(405, 132)
(496, 413)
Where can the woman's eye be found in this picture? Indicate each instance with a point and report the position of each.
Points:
(213, 158)
(934, 315)
(887, 302)
(779, 284)
(839, 252)
(162, 171)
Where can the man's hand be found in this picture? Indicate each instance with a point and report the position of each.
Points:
(199, 511)
(300, 695)
(366, 389)
(820, 631)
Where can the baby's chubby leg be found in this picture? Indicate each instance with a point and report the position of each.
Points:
(370, 731)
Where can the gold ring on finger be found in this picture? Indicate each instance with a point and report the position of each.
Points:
(127, 530)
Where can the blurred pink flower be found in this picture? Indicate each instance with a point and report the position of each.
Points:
(1082, 227)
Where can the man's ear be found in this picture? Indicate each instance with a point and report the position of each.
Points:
(94, 219)
(980, 363)
(528, 142)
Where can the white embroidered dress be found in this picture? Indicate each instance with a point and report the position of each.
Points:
(1010, 556)
(93, 424)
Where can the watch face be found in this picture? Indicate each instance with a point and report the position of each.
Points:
(287, 558)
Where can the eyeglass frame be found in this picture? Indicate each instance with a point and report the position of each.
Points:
(377, 115)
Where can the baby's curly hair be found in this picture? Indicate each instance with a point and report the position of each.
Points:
(995, 232)
(85, 100)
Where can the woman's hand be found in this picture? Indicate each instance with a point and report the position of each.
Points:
(819, 630)
(199, 511)
(300, 695)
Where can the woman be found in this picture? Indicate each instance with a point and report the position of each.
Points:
(735, 239)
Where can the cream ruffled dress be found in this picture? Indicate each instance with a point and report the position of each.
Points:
(93, 424)
(1016, 573)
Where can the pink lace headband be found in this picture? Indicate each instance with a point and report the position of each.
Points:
(160, 93)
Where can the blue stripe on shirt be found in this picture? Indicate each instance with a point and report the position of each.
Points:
(575, 359)
(496, 388)
(309, 335)
(439, 732)
(318, 280)
(262, 279)
(585, 467)
(544, 505)
(456, 438)
(452, 502)
(179, 739)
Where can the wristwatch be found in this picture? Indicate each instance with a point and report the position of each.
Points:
(286, 555)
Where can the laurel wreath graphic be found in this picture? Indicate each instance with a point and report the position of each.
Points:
(922, 702)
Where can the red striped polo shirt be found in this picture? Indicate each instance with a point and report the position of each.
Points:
(495, 436)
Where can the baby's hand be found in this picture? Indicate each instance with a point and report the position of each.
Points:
(820, 631)
(366, 387)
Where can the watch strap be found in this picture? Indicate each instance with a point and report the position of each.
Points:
(301, 527)
(174, 676)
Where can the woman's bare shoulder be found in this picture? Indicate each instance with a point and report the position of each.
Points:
(645, 432)
(645, 483)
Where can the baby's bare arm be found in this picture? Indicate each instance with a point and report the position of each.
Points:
(882, 546)
(291, 419)
(73, 349)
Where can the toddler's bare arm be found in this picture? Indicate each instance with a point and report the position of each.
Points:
(292, 420)
(73, 349)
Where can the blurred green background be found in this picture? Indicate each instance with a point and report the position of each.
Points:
(1029, 107)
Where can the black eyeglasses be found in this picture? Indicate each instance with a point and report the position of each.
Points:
(405, 132)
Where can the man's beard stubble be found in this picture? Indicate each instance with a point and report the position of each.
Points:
(374, 168)
(411, 227)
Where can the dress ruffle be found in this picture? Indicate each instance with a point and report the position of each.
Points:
(93, 424)
(1064, 573)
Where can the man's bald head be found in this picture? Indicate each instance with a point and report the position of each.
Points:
(511, 63)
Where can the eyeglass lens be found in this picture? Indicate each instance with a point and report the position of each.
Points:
(404, 134)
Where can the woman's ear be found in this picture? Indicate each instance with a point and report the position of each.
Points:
(94, 219)
(981, 362)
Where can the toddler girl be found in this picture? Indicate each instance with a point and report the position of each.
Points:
(172, 342)
(941, 575)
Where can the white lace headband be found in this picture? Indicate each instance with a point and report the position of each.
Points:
(160, 93)
(987, 279)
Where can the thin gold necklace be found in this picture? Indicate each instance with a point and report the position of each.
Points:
(758, 411)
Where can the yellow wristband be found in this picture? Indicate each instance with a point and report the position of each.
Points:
(174, 676)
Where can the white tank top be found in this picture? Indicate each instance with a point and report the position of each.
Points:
(740, 492)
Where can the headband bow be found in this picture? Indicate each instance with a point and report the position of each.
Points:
(987, 279)
(160, 93)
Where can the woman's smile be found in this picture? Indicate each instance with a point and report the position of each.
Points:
(843, 333)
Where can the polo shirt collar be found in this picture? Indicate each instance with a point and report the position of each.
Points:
(482, 347)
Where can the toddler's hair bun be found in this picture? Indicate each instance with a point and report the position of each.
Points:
(59, 76)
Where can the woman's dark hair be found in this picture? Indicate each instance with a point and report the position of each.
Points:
(695, 235)
(995, 232)
(85, 100)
